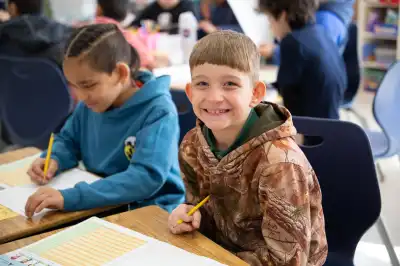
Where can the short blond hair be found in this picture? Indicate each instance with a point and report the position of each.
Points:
(227, 48)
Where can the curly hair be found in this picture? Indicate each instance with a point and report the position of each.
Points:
(299, 12)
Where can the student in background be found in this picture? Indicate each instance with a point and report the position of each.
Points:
(125, 129)
(115, 11)
(265, 200)
(335, 16)
(312, 76)
(216, 15)
(29, 33)
(165, 13)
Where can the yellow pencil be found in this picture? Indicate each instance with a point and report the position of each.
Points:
(194, 209)
(47, 162)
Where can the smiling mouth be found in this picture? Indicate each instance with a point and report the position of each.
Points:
(216, 111)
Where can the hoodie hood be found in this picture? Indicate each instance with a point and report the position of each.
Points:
(150, 88)
(33, 33)
(275, 123)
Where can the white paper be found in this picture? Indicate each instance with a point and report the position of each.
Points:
(15, 198)
(152, 252)
(19, 163)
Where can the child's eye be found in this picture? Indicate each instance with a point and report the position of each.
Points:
(89, 86)
(202, 84)
(231, 85)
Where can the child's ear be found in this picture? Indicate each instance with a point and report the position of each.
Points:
(258, 93)
(188, 90)
(123, 71)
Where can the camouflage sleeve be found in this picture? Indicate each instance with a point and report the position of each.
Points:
(207, 225)
(190, 181)
(293, 223)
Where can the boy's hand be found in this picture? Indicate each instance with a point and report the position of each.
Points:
(36, 171)
(267, 50)
(190, 223)
(4, 16)
(44, 197)
(207, 26)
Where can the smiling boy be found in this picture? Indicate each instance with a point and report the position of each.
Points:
(265, 200)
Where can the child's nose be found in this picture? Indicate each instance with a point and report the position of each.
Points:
(215, 95)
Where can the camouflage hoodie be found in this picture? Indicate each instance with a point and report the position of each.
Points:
(265, 202)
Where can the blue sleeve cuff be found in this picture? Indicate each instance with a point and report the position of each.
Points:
(72, 197)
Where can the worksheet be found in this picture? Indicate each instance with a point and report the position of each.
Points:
(15, 198)
(15, 173)
(97, 242)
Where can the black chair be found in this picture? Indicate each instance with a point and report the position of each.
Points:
(345, 169)
(35, 100)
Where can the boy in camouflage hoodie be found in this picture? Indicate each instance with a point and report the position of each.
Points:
(265, 200)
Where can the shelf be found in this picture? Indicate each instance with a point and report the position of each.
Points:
(374, 36)
(380, 5)
(375, 65)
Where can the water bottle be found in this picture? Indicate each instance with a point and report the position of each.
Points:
(188, 32)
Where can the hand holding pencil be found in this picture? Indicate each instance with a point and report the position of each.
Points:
(186, 218)
(43, 170)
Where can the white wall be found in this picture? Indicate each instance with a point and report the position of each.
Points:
(68, 11)
(254, 24)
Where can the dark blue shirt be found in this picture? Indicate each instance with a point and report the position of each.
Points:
(311, 77)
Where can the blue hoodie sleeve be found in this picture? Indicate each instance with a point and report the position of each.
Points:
(66, 147)
(147, 173)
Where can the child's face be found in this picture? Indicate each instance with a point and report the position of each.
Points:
(222, 97)
(98, 90)
(168, 3)
(279, 26)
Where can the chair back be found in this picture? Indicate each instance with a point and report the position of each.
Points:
(35, 99)
(344, 165)
(352, 64)
(187, 118)
(386, 107)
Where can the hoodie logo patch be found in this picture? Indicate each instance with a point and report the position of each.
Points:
(129, 148)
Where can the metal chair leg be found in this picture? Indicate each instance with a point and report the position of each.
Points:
(387, 242)
(380, 172)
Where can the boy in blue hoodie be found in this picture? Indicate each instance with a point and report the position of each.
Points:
(125, 129)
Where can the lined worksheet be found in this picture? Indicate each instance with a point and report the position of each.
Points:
(97, 242)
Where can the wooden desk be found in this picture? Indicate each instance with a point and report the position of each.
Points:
(152, 221)
(16, 155)
(20, 226)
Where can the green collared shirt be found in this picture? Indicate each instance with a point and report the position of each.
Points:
(240, 140)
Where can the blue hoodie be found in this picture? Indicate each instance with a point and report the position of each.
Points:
(134, 147)
(342, 8)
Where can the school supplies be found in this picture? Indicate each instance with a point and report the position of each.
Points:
(16, 197)
(6, 261)
(98, 242)
(46, 164)
(194, 209)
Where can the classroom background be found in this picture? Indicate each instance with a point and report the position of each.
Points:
(31, 88)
